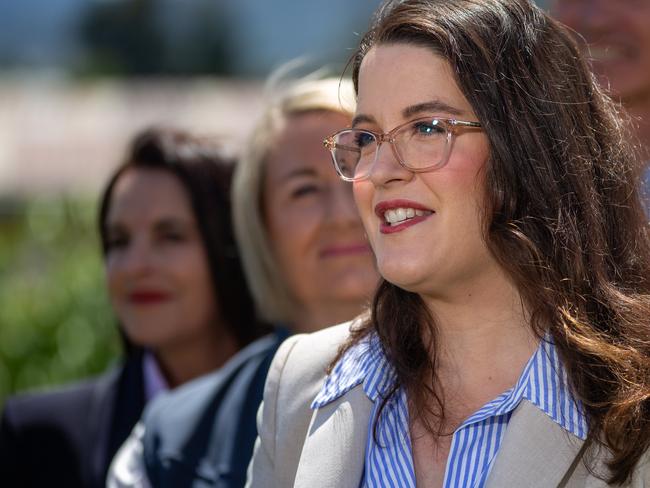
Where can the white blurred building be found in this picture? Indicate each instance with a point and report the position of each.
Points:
(58, 136)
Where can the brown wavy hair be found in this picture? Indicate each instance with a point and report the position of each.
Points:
(563, 216)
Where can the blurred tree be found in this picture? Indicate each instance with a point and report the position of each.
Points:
(203, 46)
(123, 37)
(150, 37)
(55, 321)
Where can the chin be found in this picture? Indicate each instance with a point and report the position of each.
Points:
(147, 334)
(355, 280)
(401, 272)
(360, 293)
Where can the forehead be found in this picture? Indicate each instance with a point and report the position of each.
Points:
(300, 142)
(141, 193)
(393, 77)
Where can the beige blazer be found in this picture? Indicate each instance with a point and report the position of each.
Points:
(302, 448)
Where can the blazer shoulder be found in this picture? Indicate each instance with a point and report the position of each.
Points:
(206, 428)
(190, 400)
(59, 427)
(641, 473)
(72, 400)
(302, 360)
(296, 375)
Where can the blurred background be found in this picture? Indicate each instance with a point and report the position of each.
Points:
(78, 78)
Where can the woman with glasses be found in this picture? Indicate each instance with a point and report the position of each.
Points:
(508, 343)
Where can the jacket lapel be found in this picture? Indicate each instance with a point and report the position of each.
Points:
(334, 451)
(536, 452)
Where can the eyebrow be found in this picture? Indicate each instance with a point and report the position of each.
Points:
(361, 118)
(163, 224)
(412, 110)
(298, 172)
(430, 106)
(175, 223)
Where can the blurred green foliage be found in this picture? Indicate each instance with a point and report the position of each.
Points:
(55, 321)
(132, 38)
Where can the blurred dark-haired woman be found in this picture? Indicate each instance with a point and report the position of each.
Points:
(177, 288)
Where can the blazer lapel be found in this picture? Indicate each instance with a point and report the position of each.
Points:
(536, 452)
(334, 451)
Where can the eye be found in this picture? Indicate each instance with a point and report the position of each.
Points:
(116, 241)
(172, 236)
(363, 139)
(429, 127)
(171, 233)
(304, 190)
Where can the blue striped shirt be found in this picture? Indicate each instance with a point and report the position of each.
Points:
(475, 443)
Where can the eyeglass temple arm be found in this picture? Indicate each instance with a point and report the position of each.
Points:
(465, 123)
(330, 144)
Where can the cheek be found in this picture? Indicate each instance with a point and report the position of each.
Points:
(294, 227)
(200, 297)
(461, 180)
(363, 192)
(113, 277)
(190, 269)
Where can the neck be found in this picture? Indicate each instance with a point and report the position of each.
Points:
(319, 316)
(186, 360)
(484, 338)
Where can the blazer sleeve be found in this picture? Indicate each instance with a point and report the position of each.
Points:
(263, 469)
(295, 377)
(11, 450)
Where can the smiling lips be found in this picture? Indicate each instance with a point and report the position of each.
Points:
(345, 250)
(397, 215)
(148, 297)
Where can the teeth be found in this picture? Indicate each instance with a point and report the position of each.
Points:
(397, 215)
(390, 216)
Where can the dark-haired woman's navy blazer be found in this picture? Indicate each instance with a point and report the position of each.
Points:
(68, 437)
(202, 434)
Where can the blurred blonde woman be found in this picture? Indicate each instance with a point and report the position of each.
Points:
(308, 265)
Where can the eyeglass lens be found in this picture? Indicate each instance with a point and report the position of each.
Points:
(419, 145)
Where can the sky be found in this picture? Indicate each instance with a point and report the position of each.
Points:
(41, 33)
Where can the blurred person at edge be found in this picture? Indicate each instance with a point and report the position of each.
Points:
(616, 37)
(309, 265)
(178, 290)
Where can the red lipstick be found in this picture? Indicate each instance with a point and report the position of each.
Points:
(148, 297)
(345, 250)
(382, 207)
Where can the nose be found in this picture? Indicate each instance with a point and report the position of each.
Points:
(386, 169)
(341, 207)
(136, 258)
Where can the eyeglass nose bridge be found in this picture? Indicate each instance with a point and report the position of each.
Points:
(390, 139)
(386, 137)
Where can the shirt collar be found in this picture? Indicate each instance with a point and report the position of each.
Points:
(154, 380)
(366, 363)
(543, 383)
